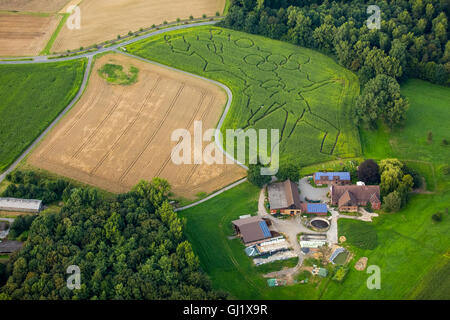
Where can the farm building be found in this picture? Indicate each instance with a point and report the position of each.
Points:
(284, 198)
(252, 230)
(349, 198)
(10, 246)
(25, 205)
(333, 178)
(314, 208)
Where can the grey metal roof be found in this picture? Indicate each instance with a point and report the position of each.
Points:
(20, 204)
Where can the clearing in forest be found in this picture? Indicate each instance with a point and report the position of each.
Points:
(119, 134)
(301, 92)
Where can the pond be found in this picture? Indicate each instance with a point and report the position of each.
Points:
(320, 223)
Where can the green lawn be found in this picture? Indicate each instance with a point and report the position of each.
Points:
(428, 111)
(275, 85)
(31, 97)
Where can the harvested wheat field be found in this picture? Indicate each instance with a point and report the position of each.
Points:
(33, 5)
(104, 19)
(119, 134)
(25, 34)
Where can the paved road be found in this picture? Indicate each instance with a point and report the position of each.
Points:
(45, 59)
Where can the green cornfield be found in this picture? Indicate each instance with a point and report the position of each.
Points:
(275, 85)
(31, 97)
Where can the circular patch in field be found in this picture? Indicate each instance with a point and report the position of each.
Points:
(253, 59)
(244, 43)
(267, 66)
(278, 59)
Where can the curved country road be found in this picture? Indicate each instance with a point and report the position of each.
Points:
(89, 56)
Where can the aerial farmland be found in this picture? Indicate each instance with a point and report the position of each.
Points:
(224, 150)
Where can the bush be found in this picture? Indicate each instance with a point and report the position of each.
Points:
(203, 15)
(20, 225)
(191, 17)
(254, 175)
(392, 202)
(217, 13)
(340, 273)
(437, 217)
(289, 171)
(369, 172)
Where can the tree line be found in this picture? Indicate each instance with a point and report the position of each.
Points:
(128, 247)
(412, 42)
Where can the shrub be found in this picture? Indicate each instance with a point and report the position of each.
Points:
(254, 175)
(165, 22)
(340, 273)
(203, 15)
(178, 19)
(20, 225)
(289, 171)
(191, 17)
(444, 142)
(437, 217)
(217, 13)
(369, 172)
(392, 202)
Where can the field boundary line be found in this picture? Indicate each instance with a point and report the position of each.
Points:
(231, 186)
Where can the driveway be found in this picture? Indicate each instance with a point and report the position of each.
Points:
(308, 191)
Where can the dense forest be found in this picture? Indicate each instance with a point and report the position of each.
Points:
(129, 247)
(412, 42)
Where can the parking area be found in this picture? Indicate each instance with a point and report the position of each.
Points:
(311, 193)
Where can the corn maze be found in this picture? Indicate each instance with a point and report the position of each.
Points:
(275, 85)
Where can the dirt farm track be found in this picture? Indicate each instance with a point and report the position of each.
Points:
(117, 135)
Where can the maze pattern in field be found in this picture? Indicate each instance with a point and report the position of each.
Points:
(302, 93)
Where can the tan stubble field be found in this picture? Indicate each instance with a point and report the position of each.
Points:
(105, 19)
(25, 34)
(117, 135)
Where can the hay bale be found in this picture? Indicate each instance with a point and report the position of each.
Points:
(361, 264)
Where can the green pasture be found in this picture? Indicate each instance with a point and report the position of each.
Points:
(428, 112)
(275, 85)
(31, 97)
(407, 247)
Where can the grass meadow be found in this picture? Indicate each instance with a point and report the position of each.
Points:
(31, 97)
(275, 85)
